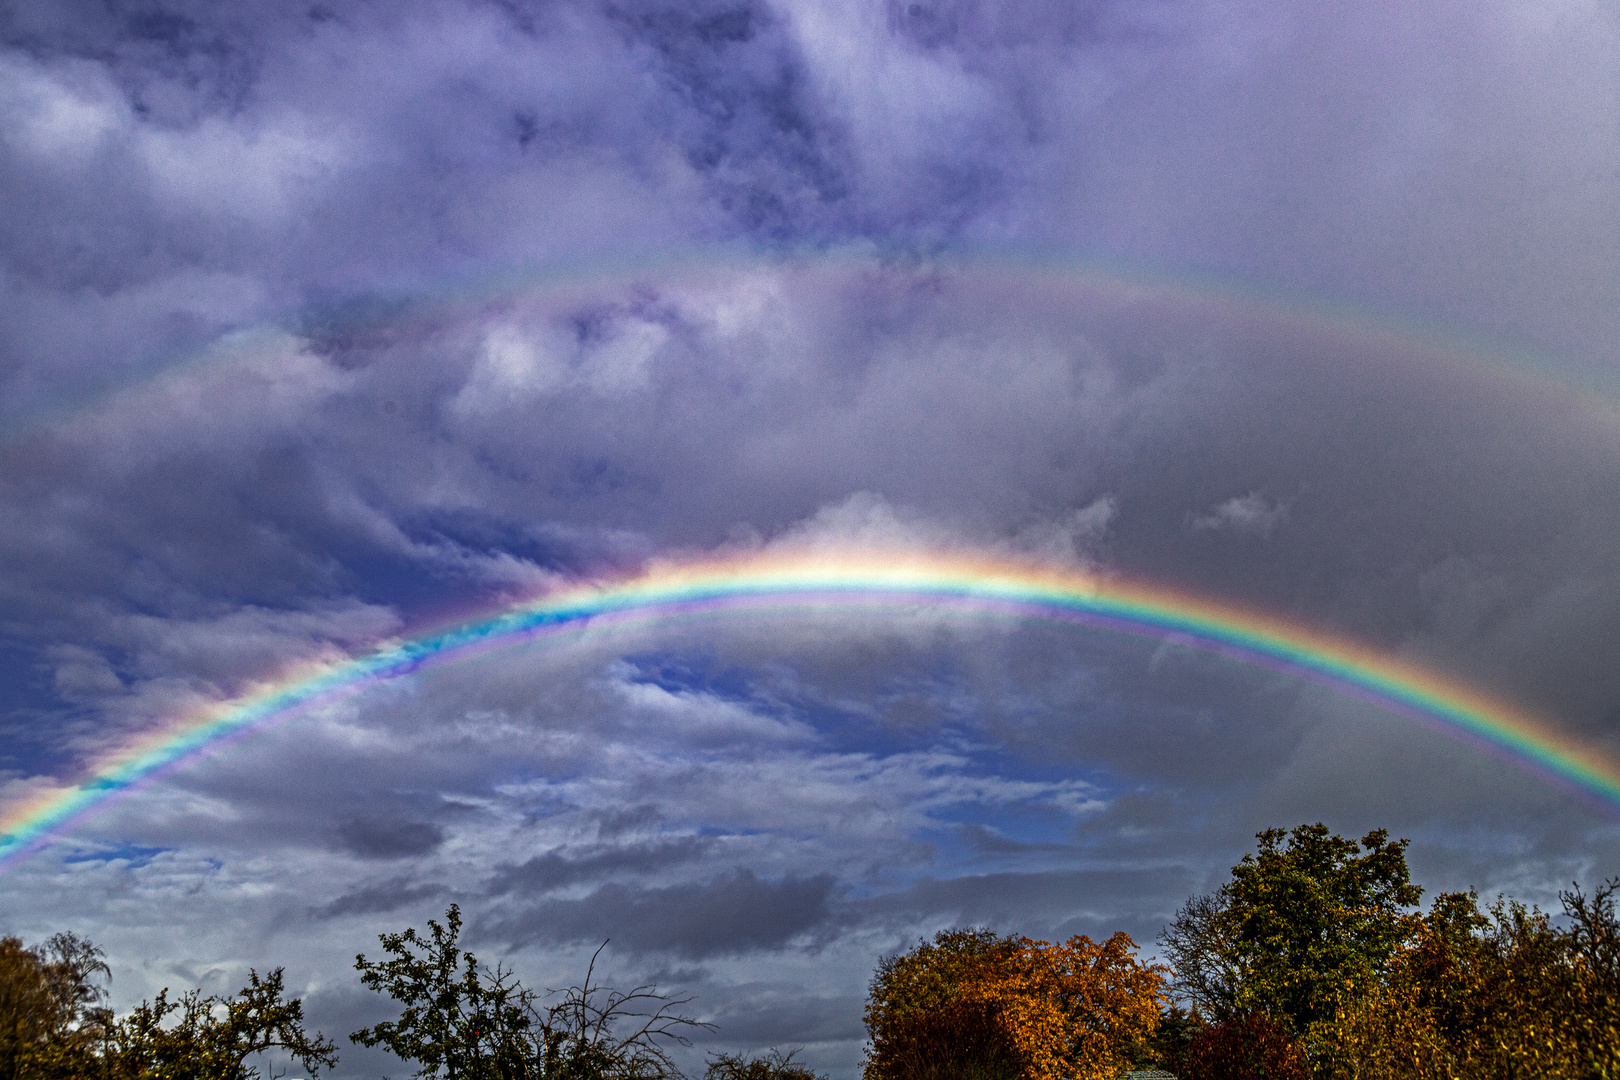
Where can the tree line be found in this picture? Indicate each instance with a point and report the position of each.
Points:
(1313, 961)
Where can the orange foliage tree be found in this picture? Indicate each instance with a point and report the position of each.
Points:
(973, 1005)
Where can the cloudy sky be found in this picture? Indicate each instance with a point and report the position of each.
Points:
(323, 323)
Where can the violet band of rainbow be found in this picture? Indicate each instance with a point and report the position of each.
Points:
(848, 580)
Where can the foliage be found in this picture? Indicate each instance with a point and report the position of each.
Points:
(1198, 943)
(49, 999)
(1167, 1047)
(56, 1028)
(973, 1004)
(1298, 923)
(1490, 995)
(211, 1038)
(465, 1021)
(1252, 1047)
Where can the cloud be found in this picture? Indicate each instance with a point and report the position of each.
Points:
(558, 869)
(389, 839)
(735, 913)
(1246, 515)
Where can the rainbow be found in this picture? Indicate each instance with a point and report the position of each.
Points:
(840, 581)
(425, 306)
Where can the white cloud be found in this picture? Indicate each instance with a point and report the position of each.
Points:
(1247, 515)
(60, 116)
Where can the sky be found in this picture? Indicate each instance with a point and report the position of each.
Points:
(323, 325)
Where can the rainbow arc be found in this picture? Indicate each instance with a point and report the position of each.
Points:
(835, 581)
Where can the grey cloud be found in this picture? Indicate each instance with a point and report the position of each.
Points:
(389, 838)
(1058, 902)
(380, 899)
(736, 913)
(558, 869)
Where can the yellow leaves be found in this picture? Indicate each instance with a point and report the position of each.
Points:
(1479, 997)
(972, 1003)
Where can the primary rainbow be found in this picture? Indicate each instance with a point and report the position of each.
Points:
(841, 580)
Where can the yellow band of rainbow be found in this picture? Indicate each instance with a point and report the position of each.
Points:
(827, 580)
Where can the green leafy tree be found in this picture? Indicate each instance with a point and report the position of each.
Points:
(53, 1025)
(465, 1021)
(1307, 918)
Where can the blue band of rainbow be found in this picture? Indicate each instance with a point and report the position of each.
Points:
(843, 581)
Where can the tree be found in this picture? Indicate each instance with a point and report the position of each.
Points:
(49, 1001)
(1498, 994)
(1176, 1030)
(24, 1004)
(212, 1038)
(465, 1021)
(54, 1027)
(1298, 923)
(974, 1004)
(774, 1065)
(1203, 957)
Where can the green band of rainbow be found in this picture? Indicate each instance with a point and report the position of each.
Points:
(835, 581)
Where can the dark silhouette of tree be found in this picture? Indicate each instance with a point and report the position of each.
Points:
(465, 1021)
(773, 1065)
(1167, 1048)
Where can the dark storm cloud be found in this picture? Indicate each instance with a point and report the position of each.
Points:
(736, 913)
(380, 899)
(373, 838)
(1056, 902)
(555, 870)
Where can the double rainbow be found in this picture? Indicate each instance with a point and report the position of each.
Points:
(834, 581)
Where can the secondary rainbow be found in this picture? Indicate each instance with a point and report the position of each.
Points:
(433, 302)
(832, 581)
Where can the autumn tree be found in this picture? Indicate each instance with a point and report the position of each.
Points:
(23, 1003)
(465, 1021)
(972, 1004)
(1503, 993)
(50, 1001)
(1249, 1047)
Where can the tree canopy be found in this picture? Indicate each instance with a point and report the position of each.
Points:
(974, 1004)
(1302, 919)
(54, 1027)
(1310, 959)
